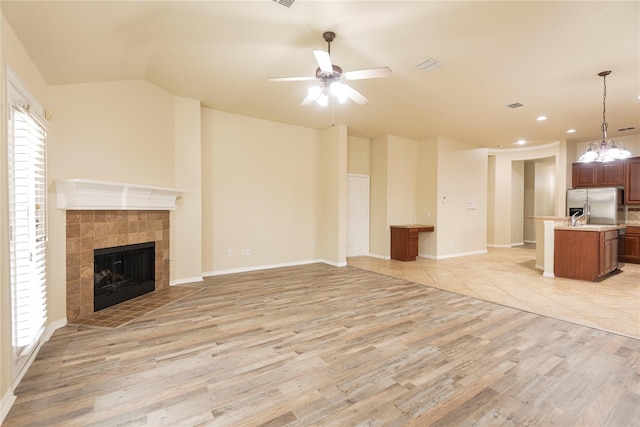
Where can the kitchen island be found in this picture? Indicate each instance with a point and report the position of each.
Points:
(586, 252)
(544, 226)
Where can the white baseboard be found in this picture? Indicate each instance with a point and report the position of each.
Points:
(6, 403)
(270, 266)
(186, 280)
(335, 264)
(379, 256)
(484, 251)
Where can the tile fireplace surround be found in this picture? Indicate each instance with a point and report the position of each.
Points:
(87, 230)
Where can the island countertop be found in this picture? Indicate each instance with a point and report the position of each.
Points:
(591, 227)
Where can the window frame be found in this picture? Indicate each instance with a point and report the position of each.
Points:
(29, 299)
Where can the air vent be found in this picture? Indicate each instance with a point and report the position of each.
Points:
(515, 105)
(625, 129)
(286, 3)
(429, 64)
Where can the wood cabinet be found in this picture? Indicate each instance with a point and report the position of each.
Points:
(608, 252)
(585, 254)
(584, 175)
(629, 245)
(632, 181)
(404, 240)
(598, 174)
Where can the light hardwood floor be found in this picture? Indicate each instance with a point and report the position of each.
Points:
(320, 345)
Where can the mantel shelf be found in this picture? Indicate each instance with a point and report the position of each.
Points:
(84, 194)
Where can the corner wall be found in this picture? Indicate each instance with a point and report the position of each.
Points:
(262, 192)
(501, 223)
(462, 178)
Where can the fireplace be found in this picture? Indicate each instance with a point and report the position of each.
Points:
(90, 230)
(105, 214)
(122, 273)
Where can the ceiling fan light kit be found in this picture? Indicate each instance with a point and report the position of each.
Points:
(332, 80)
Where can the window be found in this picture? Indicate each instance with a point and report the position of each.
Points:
(27, 192)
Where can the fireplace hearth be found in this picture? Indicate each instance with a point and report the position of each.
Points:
(91, 230)
(122, 273)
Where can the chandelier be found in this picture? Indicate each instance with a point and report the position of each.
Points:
(605, 151)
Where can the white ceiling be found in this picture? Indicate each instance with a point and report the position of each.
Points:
(543, 54)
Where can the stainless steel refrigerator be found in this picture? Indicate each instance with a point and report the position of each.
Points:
(602, 202)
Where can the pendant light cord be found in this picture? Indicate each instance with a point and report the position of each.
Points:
(604, 106)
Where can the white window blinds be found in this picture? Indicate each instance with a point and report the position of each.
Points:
(28, 227)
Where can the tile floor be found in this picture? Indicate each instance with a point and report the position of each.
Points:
(123, 313)
(508, 276)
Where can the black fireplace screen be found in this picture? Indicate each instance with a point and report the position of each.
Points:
(122, 273)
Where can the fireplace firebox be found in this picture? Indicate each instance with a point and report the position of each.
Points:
(122, 273)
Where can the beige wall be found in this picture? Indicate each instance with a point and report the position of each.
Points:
(13, 55)
(358, 155)
(545, 184)
(402, 181)
(115, 131)
(430, 182)
(260, 191)
(427, 194)
(378, 222)
(503, 221)
(332, 181)
(462, 177)
(529, 232)
(393, 189)
(517, 202)
(186, 220)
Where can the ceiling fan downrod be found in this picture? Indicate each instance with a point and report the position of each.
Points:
(328, 36)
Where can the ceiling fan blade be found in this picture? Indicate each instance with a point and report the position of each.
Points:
(314, 93)
(372, 73)
(354, 95)
(290, 79)
(324, 60)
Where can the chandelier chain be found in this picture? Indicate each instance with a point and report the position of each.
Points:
(604, 107)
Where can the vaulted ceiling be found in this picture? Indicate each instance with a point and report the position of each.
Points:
(543, 54)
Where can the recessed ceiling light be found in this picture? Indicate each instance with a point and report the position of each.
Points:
(541, 118)
(571, 131)
(521, 142)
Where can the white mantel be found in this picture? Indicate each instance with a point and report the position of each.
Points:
(84, 194)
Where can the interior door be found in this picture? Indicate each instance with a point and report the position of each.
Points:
(357, 215)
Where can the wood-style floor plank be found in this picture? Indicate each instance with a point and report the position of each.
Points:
(326, 346)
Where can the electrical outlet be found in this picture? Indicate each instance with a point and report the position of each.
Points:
(246, 252)
(230, 253)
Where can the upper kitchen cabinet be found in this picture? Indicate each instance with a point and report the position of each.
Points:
(599, 174)
(632, 181)
(585, 175)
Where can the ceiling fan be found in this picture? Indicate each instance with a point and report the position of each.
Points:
(333, 80)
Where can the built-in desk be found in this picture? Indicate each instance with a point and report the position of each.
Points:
(404, 240)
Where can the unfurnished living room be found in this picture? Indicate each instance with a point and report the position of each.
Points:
(317, 213)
